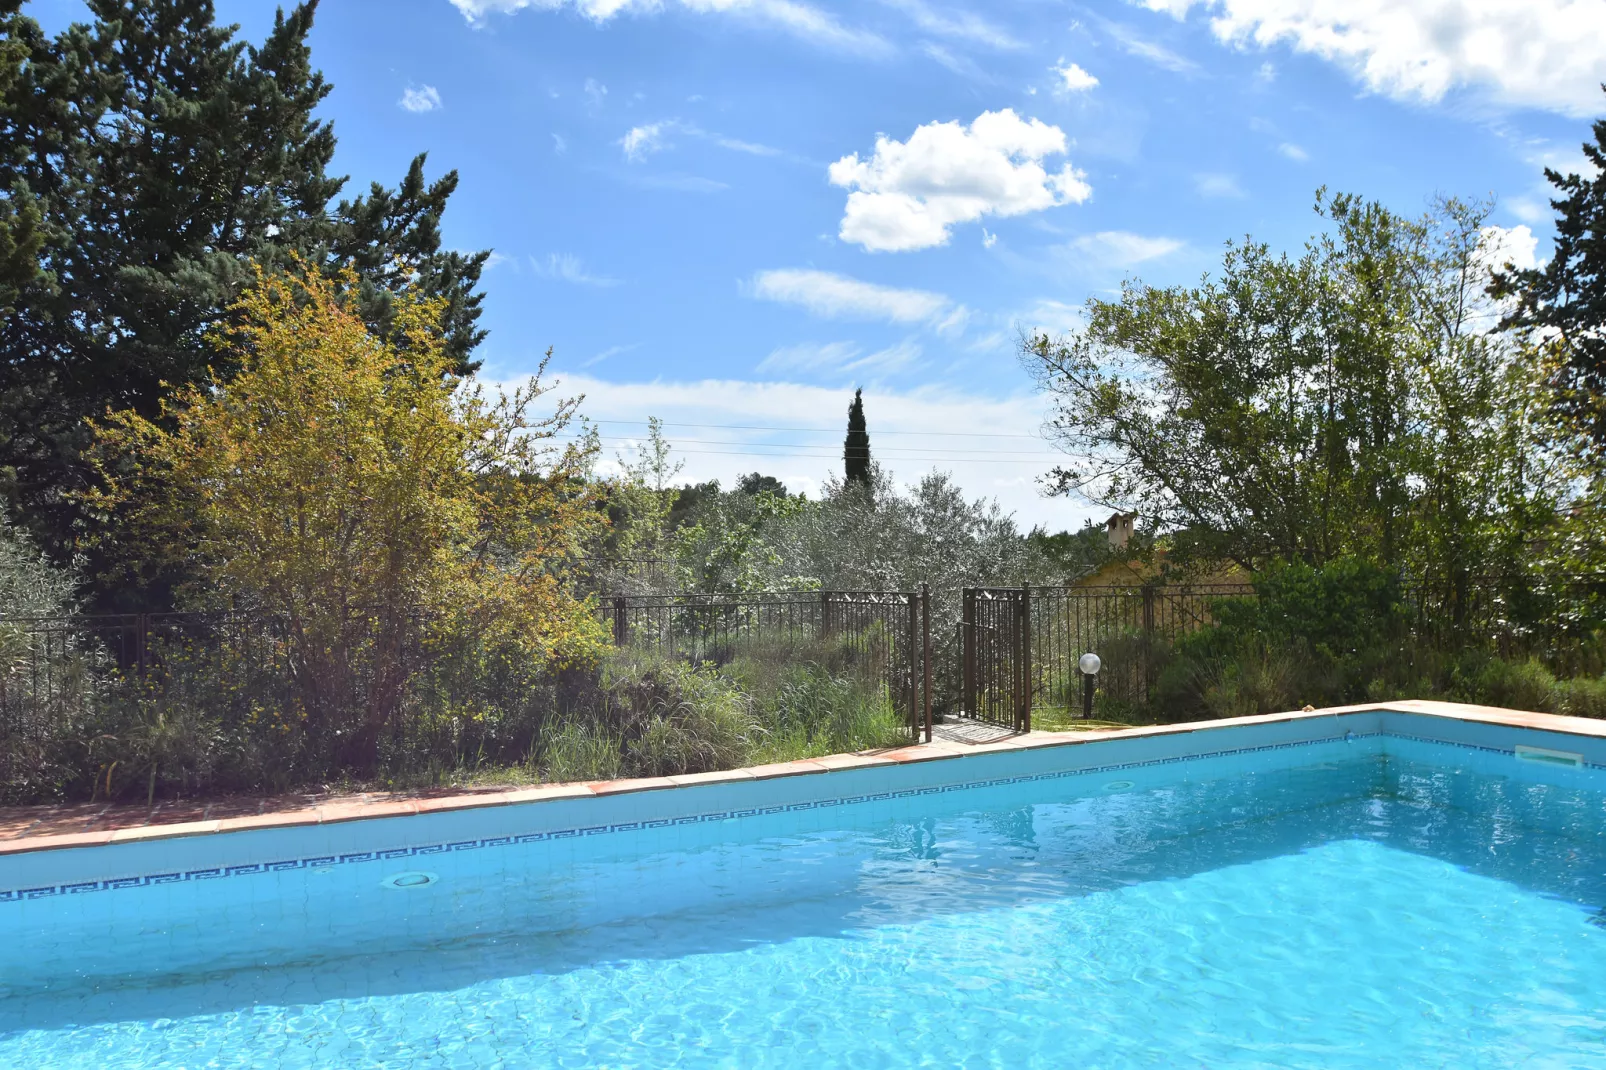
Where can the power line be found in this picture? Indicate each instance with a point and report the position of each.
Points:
(826, 430)
(956, 459)
(675, 447)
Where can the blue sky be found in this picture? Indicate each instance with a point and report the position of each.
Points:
(730, 213)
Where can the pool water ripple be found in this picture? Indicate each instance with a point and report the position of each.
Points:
(1357, 911)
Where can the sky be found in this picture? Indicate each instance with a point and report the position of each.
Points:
(729, 214)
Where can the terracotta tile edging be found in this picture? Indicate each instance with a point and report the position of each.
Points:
(362, 810)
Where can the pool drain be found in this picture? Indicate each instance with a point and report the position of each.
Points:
(1118, 785)
(416, 879)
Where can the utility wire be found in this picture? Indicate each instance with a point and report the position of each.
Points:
(675, 447)
(825, 430)
(833, 456)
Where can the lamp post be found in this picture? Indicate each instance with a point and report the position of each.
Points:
(1089, 664)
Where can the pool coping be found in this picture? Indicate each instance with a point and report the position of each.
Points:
(343, 811)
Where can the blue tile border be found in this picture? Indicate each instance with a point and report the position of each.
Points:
(326, 861)
(1504, 752)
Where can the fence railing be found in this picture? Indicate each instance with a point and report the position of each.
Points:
(1000, 654)
(884, 635)
(1021, 645)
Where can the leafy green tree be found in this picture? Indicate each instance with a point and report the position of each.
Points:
(1351, 401)
(1564, 300)
(147, 159)
(856, 447)
(346, 484)
(757, 483)
(640, 500)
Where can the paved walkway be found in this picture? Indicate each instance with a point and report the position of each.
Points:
(968, 730)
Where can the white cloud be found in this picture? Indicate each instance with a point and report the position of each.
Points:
(911, 432)
(841, 358)
(596, 93)
(1150, 51)
(1073, 79)
(963, 66)
(1120, 248)
(1293, 152)
(1548, 54)
(641, 142)
(793, 16)
(1055, 317)
(1214, 184)
(960, 25)
(838, 296)
(908, 194)
(611, 351)
(809, 356)
(420, 98)
(1508, 245)
(1532, 210)
(559, 145)
(752, 148)
(564, 267)
(988, 239)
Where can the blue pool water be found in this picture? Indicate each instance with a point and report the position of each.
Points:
(1329, 906)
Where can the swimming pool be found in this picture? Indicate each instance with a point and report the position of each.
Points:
(1374, 889)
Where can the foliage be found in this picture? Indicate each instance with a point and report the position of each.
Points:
(348, 485)
(727, 545)
(1067, 554)
(640, 500)
(1564, 300)
(651, 716)
(1315, 635)
(49, 683)
(856, 445)
(30, 585)
(149, 159)
(1352, 401)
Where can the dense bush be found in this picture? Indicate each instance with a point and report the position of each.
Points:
(1340, 634)
(51, 678)
(652, 716)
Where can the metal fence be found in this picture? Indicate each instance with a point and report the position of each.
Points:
(1000, 655)
(1021, 645)
(1126, 627)
(995, 634)
(883, 635)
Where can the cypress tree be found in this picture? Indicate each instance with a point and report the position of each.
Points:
(146, 158)
(856, 447)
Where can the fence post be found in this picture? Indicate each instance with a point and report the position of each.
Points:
(621, 621)
(1148, 641)
(925, 650)
(825, 614)
(914, 665)
(1023, 716)
(967, 657)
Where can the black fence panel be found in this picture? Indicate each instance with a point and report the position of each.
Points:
(880, 634)
(1127, 627)
(995, 634)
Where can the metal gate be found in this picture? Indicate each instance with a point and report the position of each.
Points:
(996, 637)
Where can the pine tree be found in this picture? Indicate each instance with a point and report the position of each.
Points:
(1566, 298)
(856, 447)
(147, 158)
